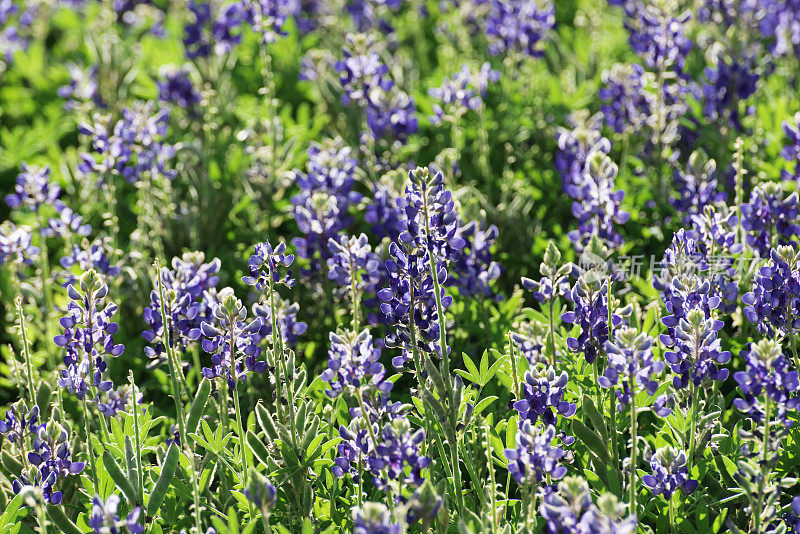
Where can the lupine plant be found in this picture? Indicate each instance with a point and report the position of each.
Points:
(399, 267)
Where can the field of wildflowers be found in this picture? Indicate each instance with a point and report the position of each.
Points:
(399, 266)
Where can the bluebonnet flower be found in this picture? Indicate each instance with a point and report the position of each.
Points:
(629, 104)
(261, 492)
(730, 81)
(791, 149)
(423, 506)
(774, 303)
(530, 339)
(11, 41)
(575, 146)
(397, 457)
(792, 517)
(48, 454)
(535, 456)
(65, 224)
(770, 218)
(267, 17)
(15, 245)
(116, 400)
(326, 194)
(83, 89)
(599, 208)
(657, 35)
(105, 519)
(544, 397)
(696, 187)
(474, 269)
(230, 341)
(89, 255)
(213, 28)
(353, 449)
(769, 377)
(352, 262)
(134, 146)
(519, 26)
(570, 510)
(696, 354)
(188, 304)
(382, 213)
(590, 300)
(288, 325)
(33, 189)
(374, 518)
(361, 70)
(669, 473)
(353, 363)
(461, 93)
(631, 365)
(266, 266)
(391, 114)
(175, 87)
(368, 14)
(88, 336)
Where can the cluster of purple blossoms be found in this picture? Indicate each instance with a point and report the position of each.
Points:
(88, 336)
(11, 41)
(390, 112)
(231, 342)
(132, 148)
(267, 17)
(423, 506)
(353, 363)
(352, 262)
(266, 265)
(397, 455)
(631, 365)
(82, 89)
(474, 269)
(261, 492)
(791, 149)
(544, 397)
(428, 240)
(326, 194)
(780, 23)
(463, 92)
(575, 148)
(519, 26)
(628, 104)
(371, 14)
(286, 317)
(176, 87)
(669, 473)
(47, 446)
(656, 34)
(729, 83)
(535, 457)
(374, 518)
(105, 518)
(770, 218)
(382, 213)
(570, 510)
(768, 376)
(34, 190)
(696, 354)
(591, 314)
(15, 245)
(792, 517)
(696, 187)
(89, 255)
(188, 304)
(774, 303)
(213, 28)
(599, 208)
(530, 340)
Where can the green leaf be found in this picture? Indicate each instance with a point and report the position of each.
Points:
(483, 404)
(597, 420)
(9, 517)
(60, 519)
(164, 480)
(592, 441)
(119, 477)
(198, 406)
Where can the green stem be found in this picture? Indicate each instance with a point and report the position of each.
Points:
(277, 351)
(692, 425)
(354, 290)
(135, 410)
(25, 350)
(764, 468)
(89, 447)
(47, 289)
(633, 448)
